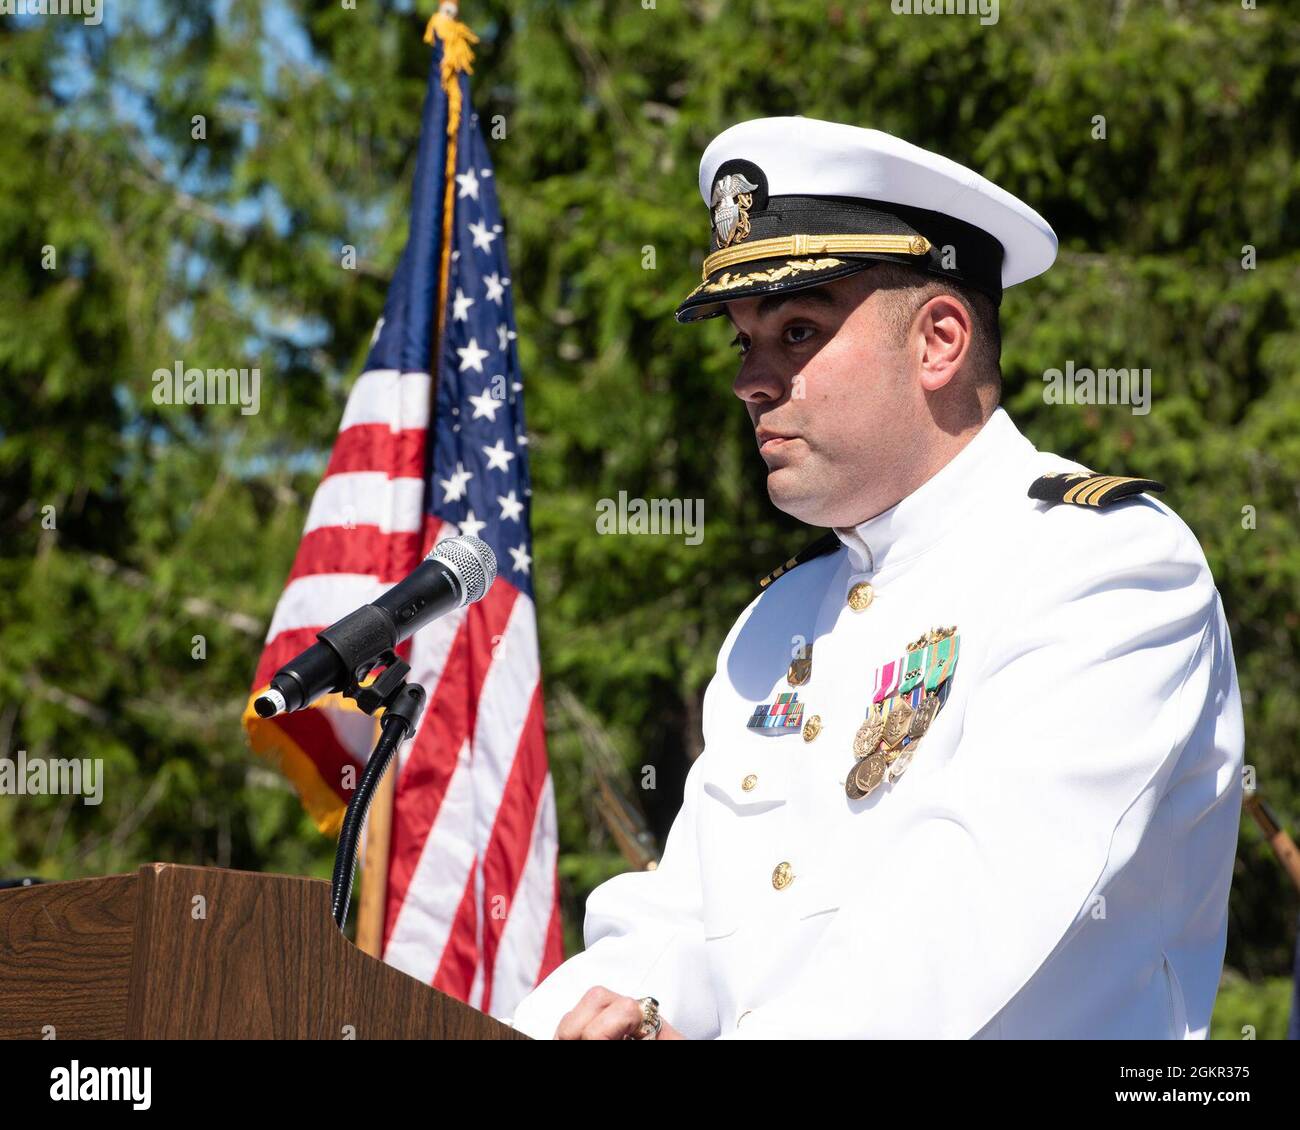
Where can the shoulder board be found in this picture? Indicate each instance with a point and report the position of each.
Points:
(1083, 488)
(827, 543)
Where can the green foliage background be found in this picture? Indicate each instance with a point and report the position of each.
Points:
(173, 522)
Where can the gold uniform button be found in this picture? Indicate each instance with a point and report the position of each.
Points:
(812, 727)
(861, 596)
(782, 876)
(749, 782)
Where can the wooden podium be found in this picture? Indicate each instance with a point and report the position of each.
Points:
(173, 953)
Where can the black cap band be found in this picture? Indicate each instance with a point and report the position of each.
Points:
(958, 251)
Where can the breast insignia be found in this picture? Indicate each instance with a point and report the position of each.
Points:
(1084, 488)
(825, 544)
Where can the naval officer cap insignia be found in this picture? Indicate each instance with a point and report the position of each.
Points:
(794, 202)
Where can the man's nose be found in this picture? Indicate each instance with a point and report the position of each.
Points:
(758, 381)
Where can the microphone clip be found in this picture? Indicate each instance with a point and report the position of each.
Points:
(386, 691)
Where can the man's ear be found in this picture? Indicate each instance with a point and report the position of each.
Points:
(946, 331)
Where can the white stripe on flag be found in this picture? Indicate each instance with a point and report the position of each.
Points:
(503, 708)
(317, 600)
(381, 396)
(355, 730)
(429, 649)
(368, 498)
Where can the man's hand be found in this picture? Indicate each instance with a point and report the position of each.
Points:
(604, 1015)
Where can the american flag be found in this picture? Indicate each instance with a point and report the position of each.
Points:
(472, 902)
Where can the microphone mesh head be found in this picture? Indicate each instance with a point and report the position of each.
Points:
(472, 560)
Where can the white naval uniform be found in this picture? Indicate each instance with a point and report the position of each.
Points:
(1056, 860)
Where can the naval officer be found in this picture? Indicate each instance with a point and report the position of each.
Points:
(972, 759)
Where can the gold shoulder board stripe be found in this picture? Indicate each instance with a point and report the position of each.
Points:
(824, 544)
(1086, 489)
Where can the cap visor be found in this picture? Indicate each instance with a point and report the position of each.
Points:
(765, 276)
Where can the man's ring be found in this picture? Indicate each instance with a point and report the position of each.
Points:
(651, 1021)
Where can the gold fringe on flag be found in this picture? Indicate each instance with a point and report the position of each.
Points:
(269, 741)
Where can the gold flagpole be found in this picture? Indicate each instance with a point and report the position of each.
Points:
(457, 57)
(374, 865)
(1288, 855)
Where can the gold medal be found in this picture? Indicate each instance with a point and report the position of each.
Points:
(812, 727)
(892, 755)
(800, 668)
(851, 789)
(869, 773)
(868, 735)
(925, 714)
(901, 761)
(896, 725)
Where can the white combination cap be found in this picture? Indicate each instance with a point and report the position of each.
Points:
(796, 201)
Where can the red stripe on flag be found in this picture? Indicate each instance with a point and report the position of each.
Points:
(280, 650)
(455, 975)
(553, 957)
(376, 447)
(361, 549)
(512, 836)
(313, 734)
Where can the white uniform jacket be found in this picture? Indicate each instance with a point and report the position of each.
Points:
(1056, 859)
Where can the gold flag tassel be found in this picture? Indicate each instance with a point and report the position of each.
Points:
(457, 55)
(457, 58)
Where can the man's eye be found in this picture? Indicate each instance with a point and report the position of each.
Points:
(742, 347)
(805, 331)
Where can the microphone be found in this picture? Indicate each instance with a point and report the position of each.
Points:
(459, 571)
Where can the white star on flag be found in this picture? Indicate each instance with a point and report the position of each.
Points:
(485, 404)
(482, 237)
(468, 184)
(511, 507)
(498, 456)
(495, 290)
(522, 560)
(471, 525)
(504, 335)
(462, 304)
(471, 356)
(454, 488)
